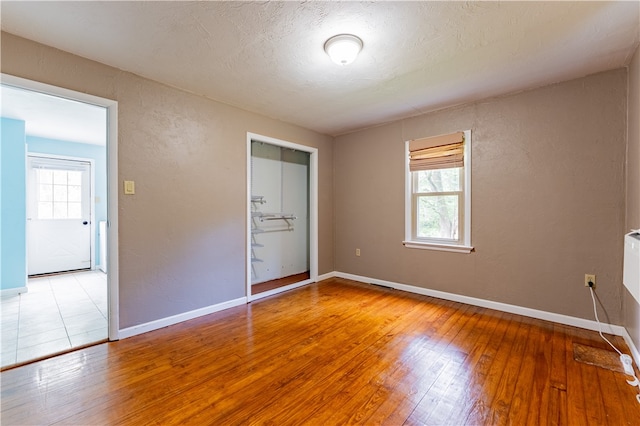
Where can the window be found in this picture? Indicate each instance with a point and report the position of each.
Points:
(58, 194)
(59, 189)
(438, 193)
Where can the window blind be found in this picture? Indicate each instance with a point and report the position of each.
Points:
(437, 152)
(57, 164)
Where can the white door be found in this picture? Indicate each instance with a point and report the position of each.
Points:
(58, 215)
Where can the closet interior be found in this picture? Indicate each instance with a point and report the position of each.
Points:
(279, 216)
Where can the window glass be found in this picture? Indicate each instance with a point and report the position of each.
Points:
(73, 193)
(437, 217)
(59, 194)
(441, 180)
(46, 192)
(74, 210)
(60, 210)
(45, 176)
(59, 177)
(74, 178)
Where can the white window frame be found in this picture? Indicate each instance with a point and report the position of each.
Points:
(463, 245)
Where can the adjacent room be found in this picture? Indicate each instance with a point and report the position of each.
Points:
(329, 213)
(54, 284)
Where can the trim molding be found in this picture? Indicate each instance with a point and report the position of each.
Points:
(438, 247)
(281, 289)
(634, 351)
(292, 286)
(498, 306)
(175, 319)
(313, 207)
(8, 292)
(326, 276)
(112, 180)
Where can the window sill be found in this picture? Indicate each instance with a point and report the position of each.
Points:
(438, 247)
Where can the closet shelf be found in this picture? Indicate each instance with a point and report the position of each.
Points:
(257, 245)
(259, 199)
(255, 259)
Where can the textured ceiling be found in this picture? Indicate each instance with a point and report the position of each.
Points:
(268, 57)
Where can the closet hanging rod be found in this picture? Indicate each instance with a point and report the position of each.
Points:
(266, 231)
(283, 217)
(274, 216)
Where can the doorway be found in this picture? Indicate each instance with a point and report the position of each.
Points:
(60, 216)
(281, 216)
(69, 227)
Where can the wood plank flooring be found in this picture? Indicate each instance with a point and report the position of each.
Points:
(280, 282)
(332, 353)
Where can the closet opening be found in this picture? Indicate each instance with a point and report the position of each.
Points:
(281, 216)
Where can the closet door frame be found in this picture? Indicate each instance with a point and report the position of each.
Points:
(313, 214)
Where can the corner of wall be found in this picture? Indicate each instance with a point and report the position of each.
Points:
(630, 307)
(333, 204)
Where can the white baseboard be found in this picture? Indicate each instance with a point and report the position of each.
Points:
(165, 322)
(280, 289)
(632, 347)
(9, 292)
(498, 306)
(326, 276)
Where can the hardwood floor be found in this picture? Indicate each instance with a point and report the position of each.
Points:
(280, 282)
(332, 353)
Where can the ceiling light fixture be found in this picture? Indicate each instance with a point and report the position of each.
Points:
(343, 48)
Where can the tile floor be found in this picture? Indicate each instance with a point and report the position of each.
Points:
(59, 312)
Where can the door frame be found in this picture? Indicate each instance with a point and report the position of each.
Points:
(313, 214)
(112, 181)
(92, 217)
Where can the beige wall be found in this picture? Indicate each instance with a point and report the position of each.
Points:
(182, 236)
(548, 199)
(548, 192)
(631, 307)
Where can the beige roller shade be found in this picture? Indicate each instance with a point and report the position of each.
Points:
(438, 152)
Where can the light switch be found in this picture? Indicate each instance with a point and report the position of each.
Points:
(129, 187)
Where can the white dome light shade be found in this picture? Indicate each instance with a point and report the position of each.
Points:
(343, 48)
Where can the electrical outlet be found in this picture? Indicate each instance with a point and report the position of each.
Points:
(357, 252)
(589, 278)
